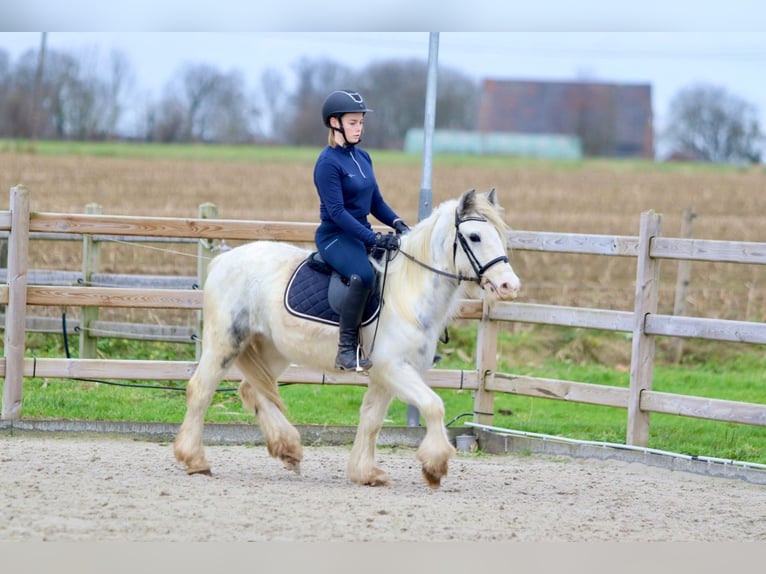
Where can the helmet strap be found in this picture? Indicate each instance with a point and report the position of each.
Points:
(343, 132)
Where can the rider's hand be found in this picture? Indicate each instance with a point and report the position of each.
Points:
(400, 227)
(389, 242)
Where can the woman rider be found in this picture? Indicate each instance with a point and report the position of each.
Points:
(348, 193)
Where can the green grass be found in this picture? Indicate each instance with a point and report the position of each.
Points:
(262, 153)
(724, 373)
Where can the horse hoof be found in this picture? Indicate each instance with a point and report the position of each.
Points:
(382, 480)
(431, 479)
(202, 471)
(292, 463)
(296, 468)
(378, 478)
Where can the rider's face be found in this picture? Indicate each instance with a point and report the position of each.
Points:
(353, 125)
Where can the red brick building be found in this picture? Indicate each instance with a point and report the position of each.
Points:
(613, 120)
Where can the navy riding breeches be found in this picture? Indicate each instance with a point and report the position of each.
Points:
(348, 256)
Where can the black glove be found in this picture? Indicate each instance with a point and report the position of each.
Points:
(389, 242)
(400, 227)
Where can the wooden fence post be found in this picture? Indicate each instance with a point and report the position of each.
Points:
(15, 318)
(3, 261)
(204, 254)
(682, 280)
(486, 365)
(642, 352)
(91, 264)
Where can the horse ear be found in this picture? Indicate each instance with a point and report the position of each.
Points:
(467, 202)
(491, 196)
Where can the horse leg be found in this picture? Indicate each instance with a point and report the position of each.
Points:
(361, 464)
(261, 363)
(435, 450)
(187, 446)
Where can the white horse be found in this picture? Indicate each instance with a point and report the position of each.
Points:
(245, 323)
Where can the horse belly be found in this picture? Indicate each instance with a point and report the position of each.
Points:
(251, 279)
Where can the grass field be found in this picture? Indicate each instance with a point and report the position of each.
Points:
(602, 197)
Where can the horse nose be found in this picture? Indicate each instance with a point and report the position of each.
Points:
(509, 289)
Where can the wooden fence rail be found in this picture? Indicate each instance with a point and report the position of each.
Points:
(644, 323)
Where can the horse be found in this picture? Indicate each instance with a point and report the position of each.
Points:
(460, 248)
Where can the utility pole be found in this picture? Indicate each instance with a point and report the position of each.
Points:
(38, 89)
(425, 199)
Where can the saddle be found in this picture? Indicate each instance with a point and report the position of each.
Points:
(316, 292)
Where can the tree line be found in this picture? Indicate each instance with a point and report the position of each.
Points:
(52, 94)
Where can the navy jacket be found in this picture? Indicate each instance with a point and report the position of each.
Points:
(348, 192)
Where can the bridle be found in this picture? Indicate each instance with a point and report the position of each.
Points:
(478, 268)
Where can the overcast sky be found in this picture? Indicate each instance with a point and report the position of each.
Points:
(694, 43)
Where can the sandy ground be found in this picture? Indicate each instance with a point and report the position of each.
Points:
(102, 489)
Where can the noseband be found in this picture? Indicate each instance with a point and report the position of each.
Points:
(478, 268)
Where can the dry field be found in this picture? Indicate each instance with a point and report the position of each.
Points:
(598, 197)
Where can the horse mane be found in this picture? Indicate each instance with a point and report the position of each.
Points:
(430, 241)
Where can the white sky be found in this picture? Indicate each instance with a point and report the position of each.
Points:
(692, 45)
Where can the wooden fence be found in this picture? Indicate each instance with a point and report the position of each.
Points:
(644, 323)
(88, 327)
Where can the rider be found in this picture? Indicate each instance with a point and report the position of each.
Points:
(348, 193)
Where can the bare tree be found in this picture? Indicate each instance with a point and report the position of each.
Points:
(6, 91)
(274, 96)
(231, 113)
(68, 97)
(708, 123)
(17, 106)
(302, 122)
(83, 100)
(167, 120)
(457, 102)
(199, 85)
(214, 107)
(119, 79)
(5, 68)
(396, 90)
(62, 91)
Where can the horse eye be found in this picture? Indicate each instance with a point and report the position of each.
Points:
(475, 237)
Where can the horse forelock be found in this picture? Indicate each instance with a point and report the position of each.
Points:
(492, 213)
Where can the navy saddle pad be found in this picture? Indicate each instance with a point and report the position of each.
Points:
(315, 292)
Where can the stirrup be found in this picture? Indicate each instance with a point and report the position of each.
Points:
(361, 363)
(360, 358)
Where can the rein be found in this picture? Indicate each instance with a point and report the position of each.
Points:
(459, 278)
(478, 268)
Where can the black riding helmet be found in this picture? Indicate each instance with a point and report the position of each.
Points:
(342, 102)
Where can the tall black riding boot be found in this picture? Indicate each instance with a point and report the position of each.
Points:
(349, 352)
